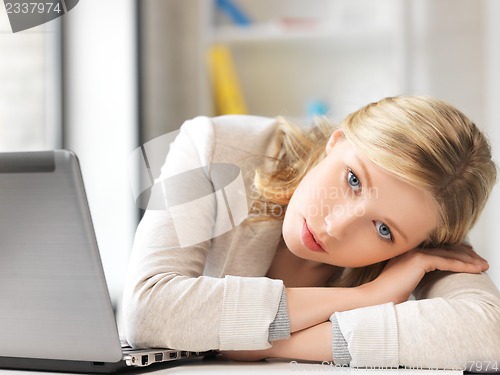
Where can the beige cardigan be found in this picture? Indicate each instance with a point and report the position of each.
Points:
(214, 294)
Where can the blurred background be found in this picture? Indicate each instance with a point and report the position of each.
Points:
(112, 75)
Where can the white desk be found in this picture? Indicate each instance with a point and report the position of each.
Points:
(282, 367)
(220, 366)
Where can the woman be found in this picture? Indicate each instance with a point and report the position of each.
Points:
(344, 226)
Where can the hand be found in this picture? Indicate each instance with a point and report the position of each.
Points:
(247, 355)
(403, 273)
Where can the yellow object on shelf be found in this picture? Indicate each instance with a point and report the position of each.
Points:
(229, 98)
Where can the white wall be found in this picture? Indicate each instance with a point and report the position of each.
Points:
(29, 86)
(454, 55)
(492, 120)
(100, 120)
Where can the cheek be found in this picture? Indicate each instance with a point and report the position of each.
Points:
(300, 199)
(322, 184)
(291, 220)
(365, 250)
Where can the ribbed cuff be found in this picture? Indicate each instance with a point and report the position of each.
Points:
(279, 329)
(340, 351)
(250, 305)
(372, 335)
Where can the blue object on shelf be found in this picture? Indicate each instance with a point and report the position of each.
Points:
(317, 108)
(235, 13)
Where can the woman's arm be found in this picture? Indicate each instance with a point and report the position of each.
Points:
(372, 331)
(311, 344)
(455, 322)
(458, 320)
(169, 301)
(310, 306)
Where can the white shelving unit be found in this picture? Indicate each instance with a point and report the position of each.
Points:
(344, 53)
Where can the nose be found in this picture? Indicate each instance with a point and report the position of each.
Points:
(341, 220)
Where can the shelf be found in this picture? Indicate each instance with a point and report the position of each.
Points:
(306, 30)
(338, 52)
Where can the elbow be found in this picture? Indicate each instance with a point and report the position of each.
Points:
(140, 313)
(495, 327)
(488, 328)
(138, 317)
(162, 320)
(494, 322)
(135, 327)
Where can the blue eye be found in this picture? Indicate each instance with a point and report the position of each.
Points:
(383, 230)
(353, 181)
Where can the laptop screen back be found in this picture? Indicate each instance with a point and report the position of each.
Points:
(54, 302)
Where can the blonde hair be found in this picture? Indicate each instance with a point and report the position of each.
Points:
(424, 141)
(299, 149)
(432, 145)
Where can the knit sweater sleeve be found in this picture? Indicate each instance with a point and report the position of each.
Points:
(168, 300)
(454, 323)
(279, 329)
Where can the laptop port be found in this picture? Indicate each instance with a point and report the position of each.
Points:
(184, 354)
(144, 360)
(172, 355)
(158, 357)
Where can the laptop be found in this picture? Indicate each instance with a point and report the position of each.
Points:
(55, 309)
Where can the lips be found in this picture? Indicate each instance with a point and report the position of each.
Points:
(308, 239)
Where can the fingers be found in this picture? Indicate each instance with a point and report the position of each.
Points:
(244, 355)
(465, 247)
(463, 257)
(462, 253)
(445, 260)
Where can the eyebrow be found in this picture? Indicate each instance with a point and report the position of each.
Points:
(365, 171)
(369, 185)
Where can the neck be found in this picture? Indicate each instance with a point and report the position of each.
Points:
(299, 272)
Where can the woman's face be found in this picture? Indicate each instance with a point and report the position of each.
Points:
(351, 213)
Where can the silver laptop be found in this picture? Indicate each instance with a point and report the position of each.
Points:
(55, 309)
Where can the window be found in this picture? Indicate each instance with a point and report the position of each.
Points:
(30, 76)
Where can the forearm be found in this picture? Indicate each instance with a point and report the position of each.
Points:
(308, 307)
(311, 344)
(310, 310)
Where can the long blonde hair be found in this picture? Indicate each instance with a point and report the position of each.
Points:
(424, 141)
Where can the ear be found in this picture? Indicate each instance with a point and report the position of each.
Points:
(334, 138)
